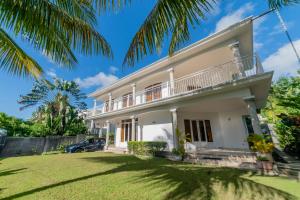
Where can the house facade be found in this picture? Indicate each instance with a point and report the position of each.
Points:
(210, 90)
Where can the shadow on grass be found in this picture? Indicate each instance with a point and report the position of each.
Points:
(186, 181)
(10, 172)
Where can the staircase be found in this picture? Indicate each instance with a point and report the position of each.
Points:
(288, 165)
(223, 157)
(117, 150)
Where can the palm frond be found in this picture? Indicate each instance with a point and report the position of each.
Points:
(104, 5)
(165, 17)
(55, 27)
(14, 60)
(280, 3)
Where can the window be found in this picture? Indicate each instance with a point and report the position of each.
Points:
(127, 100)
(198, 130)
(153, 92)
(126, 130)
(248, 124)
(107, 105)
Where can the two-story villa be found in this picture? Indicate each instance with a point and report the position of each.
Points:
(210, 90)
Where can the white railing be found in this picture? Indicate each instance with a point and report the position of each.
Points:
(209, 77)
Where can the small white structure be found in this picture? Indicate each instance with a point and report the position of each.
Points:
(209, 90)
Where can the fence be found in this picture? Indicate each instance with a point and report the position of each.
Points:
(16, 146)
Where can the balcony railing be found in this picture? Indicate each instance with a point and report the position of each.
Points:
(209, 77)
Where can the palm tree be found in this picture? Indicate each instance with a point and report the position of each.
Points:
(169, 17)
(53, 27)
(58, 103)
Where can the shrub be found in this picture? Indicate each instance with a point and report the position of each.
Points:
(146, 148)
(260, 143)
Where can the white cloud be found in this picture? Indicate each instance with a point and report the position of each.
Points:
(234, 17)
(101, 79)
(51, 72)
(283, 61)
(113, 69)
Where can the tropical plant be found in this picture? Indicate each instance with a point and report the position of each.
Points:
(53, 27)
(58, 106)
(182, 140)
(169, 17)
(260, 143)
(14, 126)
(283, 111)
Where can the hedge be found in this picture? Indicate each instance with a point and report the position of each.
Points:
(145, 148)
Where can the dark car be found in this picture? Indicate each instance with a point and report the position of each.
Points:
(91, 144)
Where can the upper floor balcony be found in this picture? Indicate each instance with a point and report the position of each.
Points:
(229, 72)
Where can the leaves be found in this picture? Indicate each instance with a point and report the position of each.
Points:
(55, 27)
(280, 3)
(14, 60)
(45, 93)
(167, 16)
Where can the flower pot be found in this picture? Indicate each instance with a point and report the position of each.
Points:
(265, 165)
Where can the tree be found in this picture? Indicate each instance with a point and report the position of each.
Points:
(169, 17)
(53, 27)
(283, 110)
(58, 105)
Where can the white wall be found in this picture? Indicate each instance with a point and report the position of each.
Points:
(154, 126)
(215, 126)
(228, 129)
(233, 129)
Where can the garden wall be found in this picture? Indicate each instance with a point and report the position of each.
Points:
(16, 146)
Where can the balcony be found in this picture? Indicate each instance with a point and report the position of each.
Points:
(211, 76)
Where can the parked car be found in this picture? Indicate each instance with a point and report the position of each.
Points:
(91, 144)
(3, 135)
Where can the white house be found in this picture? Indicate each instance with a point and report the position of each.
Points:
(210, 89)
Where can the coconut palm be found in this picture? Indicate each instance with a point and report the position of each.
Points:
(172, 17)
(53, 27)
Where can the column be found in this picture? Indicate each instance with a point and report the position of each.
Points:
(259, 67)
(235, 47)
(100, 133)
(109, 102)
(92, 126)
(133, 94)
(251, 106)
(174, 125)
(107, 134)
(171, 80)
(95, 107)
(133, 134)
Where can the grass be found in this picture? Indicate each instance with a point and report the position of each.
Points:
(109, 176)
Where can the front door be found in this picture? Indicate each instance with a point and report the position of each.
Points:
(198, 132)
(126, 130)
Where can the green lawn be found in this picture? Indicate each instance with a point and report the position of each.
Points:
(109, 176)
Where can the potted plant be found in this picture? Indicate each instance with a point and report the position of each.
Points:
(179, 153)
(264, 147)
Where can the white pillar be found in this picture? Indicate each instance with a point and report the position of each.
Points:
(251, 106)
(95, 107)
(171, 80)
(235, 47)
(174, 125)
(107, 134)
(100, 133)
(92, 125)
(133, 133)
(109, 102)
(133, 93)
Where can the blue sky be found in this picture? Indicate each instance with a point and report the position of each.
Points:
(94, 72)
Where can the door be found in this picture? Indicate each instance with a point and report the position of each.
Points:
(198, 132)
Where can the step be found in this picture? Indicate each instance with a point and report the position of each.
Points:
(288, 166)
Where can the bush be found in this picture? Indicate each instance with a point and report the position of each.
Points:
(146, 148)
(260, 143)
